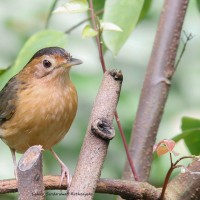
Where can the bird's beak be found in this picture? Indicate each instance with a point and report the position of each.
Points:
(74, 61)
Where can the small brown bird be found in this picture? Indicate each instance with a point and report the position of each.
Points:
(38, 105)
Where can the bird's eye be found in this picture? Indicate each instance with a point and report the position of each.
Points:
(47, 64)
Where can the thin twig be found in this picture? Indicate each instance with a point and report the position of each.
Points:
(94, 24)
(172, 167)
(126, 147)
(99, 43)
(50, 13)
(170, 154)
(186, 185)
(188, 38)
(83, 21)
(184, 157)
(166, 182)
(101, 57)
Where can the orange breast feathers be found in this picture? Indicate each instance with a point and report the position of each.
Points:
(44, 113)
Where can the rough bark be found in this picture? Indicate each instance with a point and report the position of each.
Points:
(156, 86)
(124, 188)
(30, 177)
(99, 133)
(184, 186)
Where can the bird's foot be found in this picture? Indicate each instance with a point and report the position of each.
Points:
(65, 173)
(64, 170)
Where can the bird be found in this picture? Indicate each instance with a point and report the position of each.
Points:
(39, 104)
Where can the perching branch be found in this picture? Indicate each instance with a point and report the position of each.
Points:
(126, 189)
(184, 186)
(99, 132)
(29, 173)
(156, 86)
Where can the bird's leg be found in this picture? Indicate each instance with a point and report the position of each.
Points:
(14, 162)
(64, 169)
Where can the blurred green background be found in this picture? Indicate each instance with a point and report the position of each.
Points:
(21, 19)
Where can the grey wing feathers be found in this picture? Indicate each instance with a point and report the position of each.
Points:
(8, 96)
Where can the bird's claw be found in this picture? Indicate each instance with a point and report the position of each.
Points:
(65, 173)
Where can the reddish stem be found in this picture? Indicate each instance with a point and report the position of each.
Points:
(173, 166)
(170, 154)
(126, 147)
(184, 157)
(101, 57)
(166, 182)
(99, 43)
(93, 23)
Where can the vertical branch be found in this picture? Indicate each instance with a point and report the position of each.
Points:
(99, 132)
(30, 177)
(156, 87)
(101, 57)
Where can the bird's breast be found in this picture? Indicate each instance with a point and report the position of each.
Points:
(43, 116)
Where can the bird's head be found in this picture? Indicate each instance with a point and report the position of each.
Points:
(49, 63)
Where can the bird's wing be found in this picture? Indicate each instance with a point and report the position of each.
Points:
(8, 96)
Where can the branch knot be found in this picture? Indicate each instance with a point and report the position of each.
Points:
(103, 129)
(116, 74)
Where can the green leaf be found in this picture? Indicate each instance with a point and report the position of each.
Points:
(88, 32)
(98, 4)
(145, 9)
(198, 4)
(38, 41)
(125, 14)
(73, 6)
(184, 134)
(190, 123)
(191, 139)
(4, 69)
(107, 26)
(190, 134)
